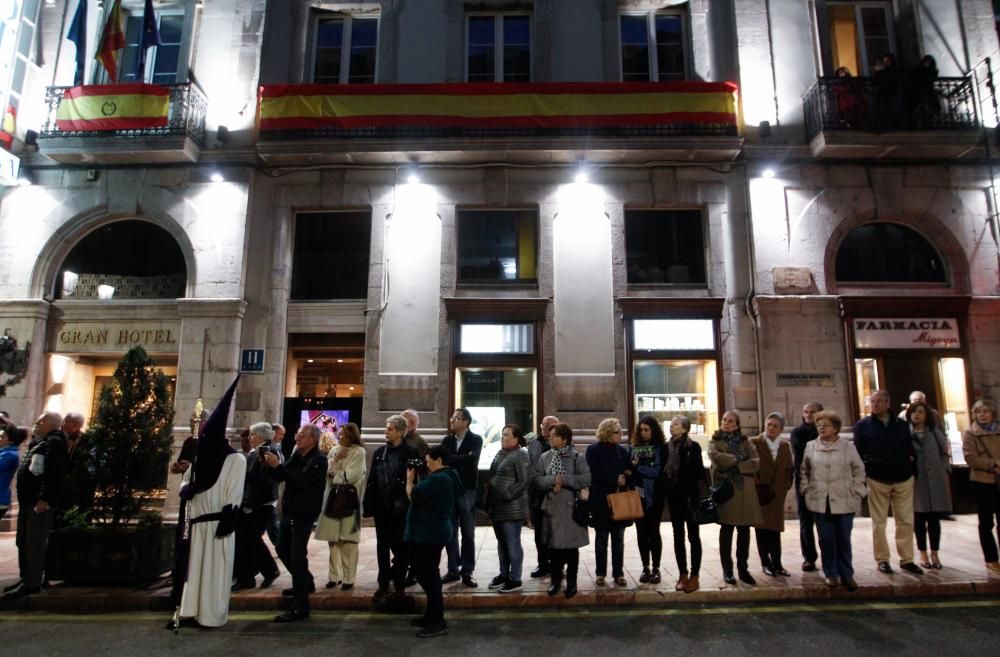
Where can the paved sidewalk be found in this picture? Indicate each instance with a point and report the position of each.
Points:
(964, 574)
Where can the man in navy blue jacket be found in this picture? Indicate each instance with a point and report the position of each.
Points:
(886, 446)
(464, 448)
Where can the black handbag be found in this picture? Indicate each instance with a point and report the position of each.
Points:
(721, 491)
(581, 512)
(705, 512)
(342, 502)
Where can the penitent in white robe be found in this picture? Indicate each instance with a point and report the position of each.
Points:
(210, 566)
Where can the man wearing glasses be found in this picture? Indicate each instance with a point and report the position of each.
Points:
(464, 448)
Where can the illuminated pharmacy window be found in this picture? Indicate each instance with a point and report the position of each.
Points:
(674, 334)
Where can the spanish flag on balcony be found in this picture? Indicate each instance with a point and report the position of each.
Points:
(541, 105)
(114, 107)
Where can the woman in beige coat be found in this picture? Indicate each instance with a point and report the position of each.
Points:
(981, 446)
(346, 466)
(735, 459)
(774, 478)
(832, 480)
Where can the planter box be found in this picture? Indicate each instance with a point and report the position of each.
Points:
(101, 556)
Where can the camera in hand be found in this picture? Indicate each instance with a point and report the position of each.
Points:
(415, 464)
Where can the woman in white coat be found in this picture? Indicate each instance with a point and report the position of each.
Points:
(347, 466)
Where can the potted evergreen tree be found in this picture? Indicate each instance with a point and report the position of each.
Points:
(130, 441)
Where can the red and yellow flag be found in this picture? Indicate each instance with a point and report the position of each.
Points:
(112, 40)
(114, 107)
(542, 105)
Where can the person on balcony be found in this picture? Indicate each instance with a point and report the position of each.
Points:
(849, 103)
(922, 95)
(888, 83)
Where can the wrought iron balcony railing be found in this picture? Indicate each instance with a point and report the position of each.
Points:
(866, 104)
(185, 117)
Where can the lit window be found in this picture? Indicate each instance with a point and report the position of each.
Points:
(498, 48)
(653, 47)
(665, 247)
(345, 49)
(497, 339)
(497, 246)
(674, 334)
(860, 33)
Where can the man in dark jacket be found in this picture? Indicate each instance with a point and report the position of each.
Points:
(386, 502)
(304, 475)
(536, 447)
(464, 448)
(260, 494)
(801, 435)
(886, 446)
(39, 479)
(78, 487)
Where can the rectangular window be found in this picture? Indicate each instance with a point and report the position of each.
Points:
(665, 247)
(497, 246)
(665, 388)
(497, 339)
(161, 61)
(17, 36)
(860, 33)
(653, 47)
(676, 334)
(345, 49)
(498, 48)
(331, 254)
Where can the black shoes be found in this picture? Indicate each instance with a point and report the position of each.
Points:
(411, 580)
(450, 577)
(570, 590)
(850, 584)
(346, 586)
(432, 631)
(510, 586)
(555, 587)
(911, 568)
(769, 572)
(644, 577)
(539, 572)
(654, 577)
(243, 586)
(268, 581)
(729, 579)
(8, 589)
(781, 572)
(467, 580)
(497, 582)
(884, 567)
(20, 591)
(333, 585)
(747, 578)
(808, 567)
(290, 616)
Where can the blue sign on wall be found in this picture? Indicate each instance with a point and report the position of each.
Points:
(252, 361)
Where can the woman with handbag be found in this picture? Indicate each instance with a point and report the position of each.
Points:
(774, 479)
(832, 481)
(735, 460)
(346, 470)
(981, 447)
(508, 502)
(610, 470)
(563, 474)
(646, 454)
(932, 486)
(684, 481)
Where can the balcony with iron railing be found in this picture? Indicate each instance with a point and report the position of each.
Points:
(175, 134)
(453, 122)
(849, 117)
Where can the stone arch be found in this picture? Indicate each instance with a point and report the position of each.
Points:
(939, 236)
(66, 237)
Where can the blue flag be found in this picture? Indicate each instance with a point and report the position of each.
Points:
(78, 35)
(150, 37)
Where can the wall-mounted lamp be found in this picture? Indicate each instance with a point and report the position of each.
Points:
(412, 174)
(31, 138)
(764, 128)
(217, 177)
(768, 172)
(582, 174)
(222, 134)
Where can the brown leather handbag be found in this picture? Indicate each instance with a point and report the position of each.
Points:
(625, 505)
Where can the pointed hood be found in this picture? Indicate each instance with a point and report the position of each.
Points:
(213, 447)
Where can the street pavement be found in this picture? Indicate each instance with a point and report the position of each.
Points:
(964, 574)
(914, 628)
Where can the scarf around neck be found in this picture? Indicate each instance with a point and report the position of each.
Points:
(674, 448)
(556, 464)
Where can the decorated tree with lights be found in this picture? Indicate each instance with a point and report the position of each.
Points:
(130, 439)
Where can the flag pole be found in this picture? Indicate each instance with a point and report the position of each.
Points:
(63, 33)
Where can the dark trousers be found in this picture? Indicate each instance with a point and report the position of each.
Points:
(32, 541)
(293, 544)
(464, 560)
(726, 548)
(570, 558)
(988, 508)
(252, 555)
(617, 536)
(391, 550)
(540, 547)
(426, 562)
(769, 548)
(679, 519)
(647, 533)
(807, 539)
(924, 524)
(835, 541)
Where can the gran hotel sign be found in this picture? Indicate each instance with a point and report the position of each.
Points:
(115, 337)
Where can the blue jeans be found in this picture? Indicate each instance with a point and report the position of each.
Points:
(467, 523)
(509, 548)
(835, 543)
(807, 539)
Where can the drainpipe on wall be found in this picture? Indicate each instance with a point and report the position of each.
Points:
(750, 301)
